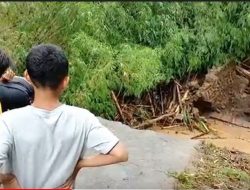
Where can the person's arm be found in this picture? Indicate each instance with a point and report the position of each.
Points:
(5, 146)
(9, 181)
(105, 142)
(118, 154)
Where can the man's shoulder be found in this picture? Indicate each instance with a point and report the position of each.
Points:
(82, 115)
(16, 115)
(77, 110)
(16, 112)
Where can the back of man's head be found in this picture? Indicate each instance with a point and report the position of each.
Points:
(47, 66)
(5, 62)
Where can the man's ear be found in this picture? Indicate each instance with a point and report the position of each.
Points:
(27, 77)
(65, 82)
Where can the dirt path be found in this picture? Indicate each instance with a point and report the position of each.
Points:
(223, 135)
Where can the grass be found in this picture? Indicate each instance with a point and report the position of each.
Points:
(216, 168)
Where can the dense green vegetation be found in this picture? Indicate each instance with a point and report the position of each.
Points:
(127, 47)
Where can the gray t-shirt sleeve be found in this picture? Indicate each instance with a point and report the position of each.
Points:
(99, 137)
(6, 141)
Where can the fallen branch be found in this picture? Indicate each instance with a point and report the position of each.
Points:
(245, 61)
(177, 110)
(236, 122)
(185, 97)
(200, 135)
(118, 106)
(144, 106)
(178, 84)
(170, 106)
(151, 103)
(151, 121)
(243, 72)
(179, 96)
(174, 92)
(161, 101)
(170, 127)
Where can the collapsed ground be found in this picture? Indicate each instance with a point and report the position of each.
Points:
(214, 107)
(222, 94)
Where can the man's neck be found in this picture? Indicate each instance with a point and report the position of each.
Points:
(46, 99)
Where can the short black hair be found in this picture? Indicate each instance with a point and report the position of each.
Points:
(47, 65)
(5, 62)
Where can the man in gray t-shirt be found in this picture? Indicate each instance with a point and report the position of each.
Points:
(44, 143)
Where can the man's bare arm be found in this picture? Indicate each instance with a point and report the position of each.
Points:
(118, 154)
(9, 181)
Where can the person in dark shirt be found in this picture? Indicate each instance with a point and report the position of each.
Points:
(15, 91)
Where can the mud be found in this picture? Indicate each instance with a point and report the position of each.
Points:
(222, 135)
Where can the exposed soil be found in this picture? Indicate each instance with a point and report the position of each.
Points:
(214, 107)
(223, 94)
(226, 91)
(223, 98)
(222, 135)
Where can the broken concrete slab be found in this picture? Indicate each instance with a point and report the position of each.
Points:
(151, 157)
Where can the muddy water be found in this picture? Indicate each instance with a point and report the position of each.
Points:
(222, 135)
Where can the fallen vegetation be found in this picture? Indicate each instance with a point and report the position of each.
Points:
(216, 168)
(221, 91)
